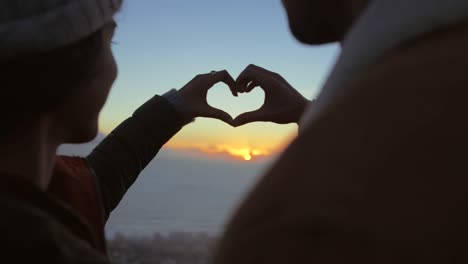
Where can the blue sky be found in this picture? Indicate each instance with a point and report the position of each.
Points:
(163, 44)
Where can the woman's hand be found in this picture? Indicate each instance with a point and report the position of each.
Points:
(194, 95)
(283, 104)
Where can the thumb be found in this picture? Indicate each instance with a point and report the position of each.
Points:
(249, 117)
(219, 114)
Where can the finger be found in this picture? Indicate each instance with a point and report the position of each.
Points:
(225, 77)
(249, 117)
(260, 69)
(253, 73)
(219, 114)
(269, 74)
(266, 72)
(244, 78)
(251, 86)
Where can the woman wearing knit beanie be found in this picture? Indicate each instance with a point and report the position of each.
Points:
(57, 69)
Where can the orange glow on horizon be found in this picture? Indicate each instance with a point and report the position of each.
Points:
(236, 153)
(210, 139)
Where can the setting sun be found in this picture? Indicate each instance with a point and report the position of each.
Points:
(236, 153)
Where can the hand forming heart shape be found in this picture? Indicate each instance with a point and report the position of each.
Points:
(282, 104)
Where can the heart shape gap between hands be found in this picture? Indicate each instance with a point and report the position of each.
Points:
(220, 97)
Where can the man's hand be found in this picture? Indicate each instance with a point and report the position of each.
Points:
(283, 104)
(194, 95)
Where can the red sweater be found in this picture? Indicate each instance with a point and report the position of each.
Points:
(74, 183)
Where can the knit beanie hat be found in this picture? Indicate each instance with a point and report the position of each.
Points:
(38, 26)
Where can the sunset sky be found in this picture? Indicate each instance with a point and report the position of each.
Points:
(163, 44)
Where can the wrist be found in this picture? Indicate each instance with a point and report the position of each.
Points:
(178, 102)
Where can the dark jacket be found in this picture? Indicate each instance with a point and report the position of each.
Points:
(37, 227)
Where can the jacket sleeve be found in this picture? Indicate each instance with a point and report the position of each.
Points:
(120, 157)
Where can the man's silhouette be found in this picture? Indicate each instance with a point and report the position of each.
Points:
(378, 173)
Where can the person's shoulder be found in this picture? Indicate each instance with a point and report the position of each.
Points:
(417, 89)
(29, 234)
(406, 88)
(438, 59)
